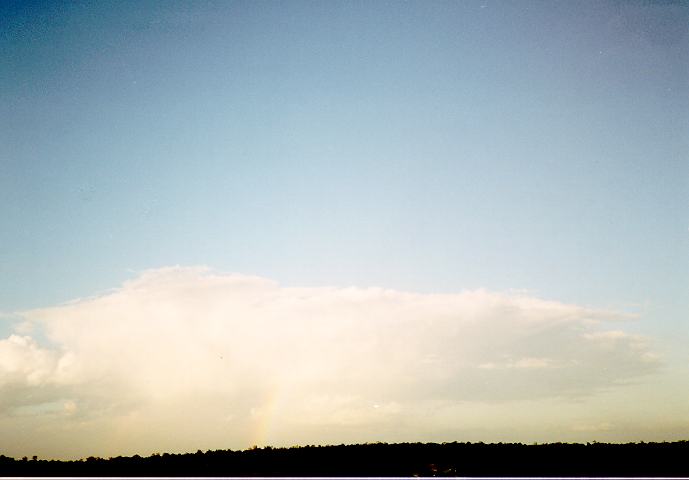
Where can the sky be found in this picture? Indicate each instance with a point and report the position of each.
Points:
(226, 224)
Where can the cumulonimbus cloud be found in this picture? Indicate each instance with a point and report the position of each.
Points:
(177, 336)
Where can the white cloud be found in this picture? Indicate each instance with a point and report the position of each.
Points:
(192, 349)
(23, 361)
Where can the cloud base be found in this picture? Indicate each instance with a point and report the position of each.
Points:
(228, 360)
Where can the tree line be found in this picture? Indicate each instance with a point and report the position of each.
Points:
(383, 459)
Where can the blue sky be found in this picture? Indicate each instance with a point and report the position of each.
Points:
(417, 146)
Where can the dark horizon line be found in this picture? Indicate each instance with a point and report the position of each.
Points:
(389, 460)
(330, 445)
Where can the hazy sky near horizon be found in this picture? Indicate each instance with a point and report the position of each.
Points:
(356, 221)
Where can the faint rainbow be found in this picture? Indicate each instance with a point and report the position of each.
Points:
(262, 428)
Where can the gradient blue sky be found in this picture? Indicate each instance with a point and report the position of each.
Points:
(430, 145)
(422, 146)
